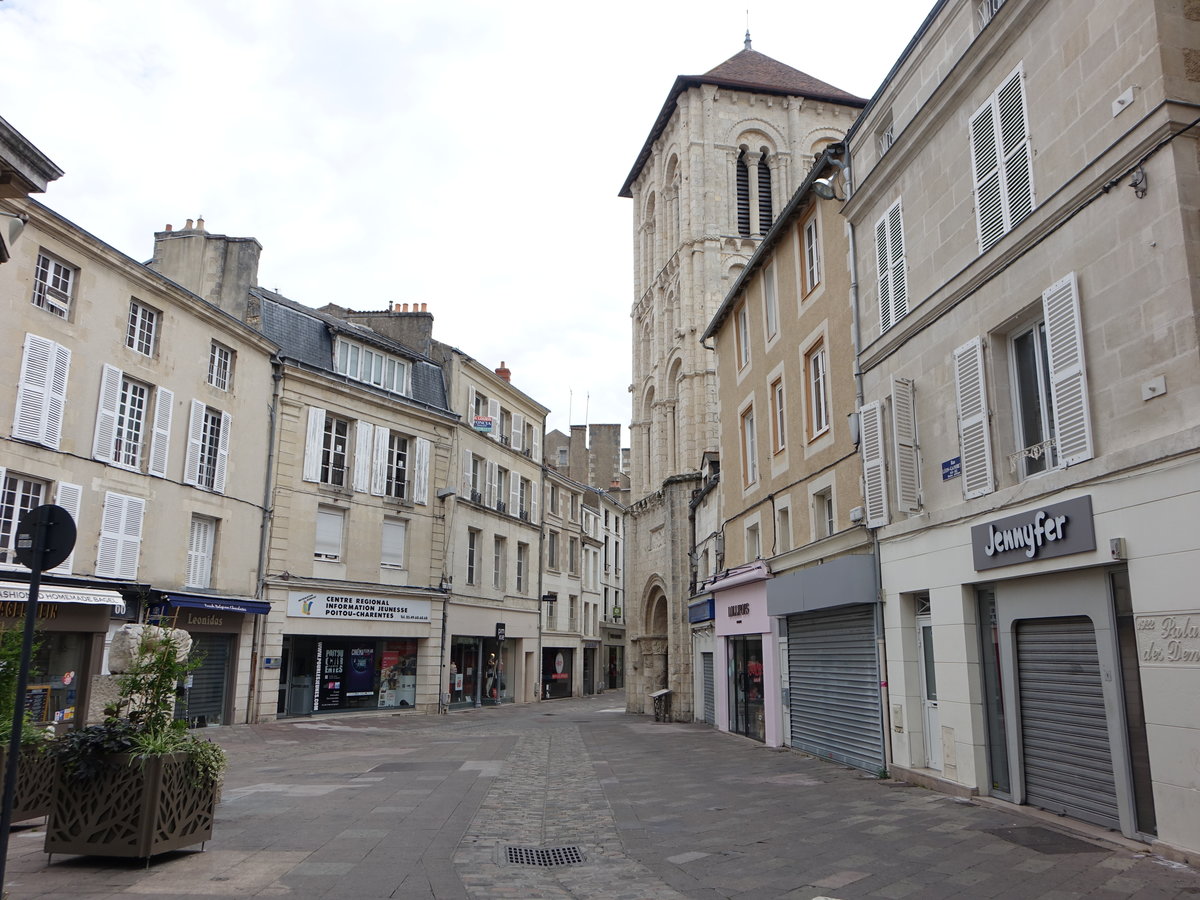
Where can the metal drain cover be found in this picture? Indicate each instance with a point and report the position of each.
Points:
(569, 855)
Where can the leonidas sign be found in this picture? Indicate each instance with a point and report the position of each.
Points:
(1048, 531)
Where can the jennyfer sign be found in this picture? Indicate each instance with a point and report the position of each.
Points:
(1058, 529)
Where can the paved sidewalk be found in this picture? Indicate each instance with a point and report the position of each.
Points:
(408, 806)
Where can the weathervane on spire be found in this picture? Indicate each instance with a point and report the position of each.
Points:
(747, 29)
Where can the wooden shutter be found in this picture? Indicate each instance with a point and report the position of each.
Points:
(533, 502)
(313, 443)
(106, 415)
(379, 462)
(494, 413)
(514, 494)
(518, 432)
(1001, 161)
(535, 446)
(392, 534)
(191, 462)
(985, 167)
(160, 442)
(874, 464)
(890, 262)
(69, 497)
(200, 547)
(419, 471)
(973, 434)
(467, 483)
(1068, 376)
(222, 453)
(41, 391)
(120, 536)
(364, 439)
(490, 495)
(904, 435)
(470, 406)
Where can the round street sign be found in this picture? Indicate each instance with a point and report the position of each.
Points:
(58, 536)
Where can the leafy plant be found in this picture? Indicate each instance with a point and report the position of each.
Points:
(142, 720)
(11, 640)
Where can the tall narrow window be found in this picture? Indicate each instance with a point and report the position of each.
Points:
(753, 542)
(783, 530)
(334, 451)
(220, 366)
(818, 390)
(499, 563)
(890, 262)
(770, 303)
(522, 567)
(778, 416)
(142, 332)
(210, 443)
(766, 212)
(42, 391)
(330, 525)
(120, 536)
(823, 512)
(812, 254)
(749, 448)
(208, 447)
(393, 536)
(201, 541)
(552, 550)
(19, 495)
(1002, 161)
(130, 424)
(743, 195)
(741, 323)
(52, 284)
(472, 556)
(397, 466)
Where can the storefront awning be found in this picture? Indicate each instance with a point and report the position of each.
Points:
(219, 604)
(48, 593)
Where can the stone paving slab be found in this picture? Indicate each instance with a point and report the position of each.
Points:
(417, 807)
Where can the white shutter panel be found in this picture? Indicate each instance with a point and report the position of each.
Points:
(42, 391)
(494, 412)
(131, 536)
(108, 555)
(56, 401)
(883, 266)
(470, 406)
(313, 442)
(897, 261)
(535, 446)
(1068, 376)
(490, 497)
(419, 471)
(195, 562)
(974, 438)
(222, 453)
(160, 443)
(69, 497)
(517, 437)
(106, 414)
(985, 166)
(363, 441)
(514, 494)
(191, 462)
(1014, 147)
(533, 502)
(874, 464)
(379, 462)
(904, 434)
(466, 475)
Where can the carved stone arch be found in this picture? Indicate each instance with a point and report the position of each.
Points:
(753, 133)
(655, 638)
(817, 139)
(647, 403)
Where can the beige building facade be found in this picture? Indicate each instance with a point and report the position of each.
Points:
(726, 152)
(1023, 185)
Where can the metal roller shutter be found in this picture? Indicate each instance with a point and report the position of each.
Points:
(1064, 729)
(206, 697)
(833, 675)
(710, 714)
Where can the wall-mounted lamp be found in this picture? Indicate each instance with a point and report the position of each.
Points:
(1139, 182)
(825, 189)
(15, 227)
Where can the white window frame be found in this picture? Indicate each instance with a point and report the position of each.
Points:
(26, 494)
(499, 563)
(749, 441)
(811, 240)
(770, 301)
(741, 327)
(141, 334)
(53, 285)
(220, 366)
(373, 366)
(778, 414)
(522, 567)
(816, 372)
(207, 462)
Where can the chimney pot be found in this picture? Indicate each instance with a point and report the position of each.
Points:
(200, 224)
(188, 226)
(168, 228)
(403, 307)
(504, 372)
(424, 307)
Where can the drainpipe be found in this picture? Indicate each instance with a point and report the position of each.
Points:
(255, 683)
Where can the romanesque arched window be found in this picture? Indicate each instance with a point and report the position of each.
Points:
(743, 194)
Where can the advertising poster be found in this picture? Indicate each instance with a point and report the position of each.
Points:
(360, 672)
(389, 677)
(331, 669)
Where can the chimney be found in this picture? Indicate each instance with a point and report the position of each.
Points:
(504, 372)
(219, 268)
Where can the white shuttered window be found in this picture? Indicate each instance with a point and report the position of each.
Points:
(1001, 161)
(70, 498)
(890, 263)
(874, 464)
(41, 391)
(201, 541)
(975, 442)
(1068, 377)
(120, 536)
(904, 434)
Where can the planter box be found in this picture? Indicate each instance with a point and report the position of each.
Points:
(137, 808)
(35, 783)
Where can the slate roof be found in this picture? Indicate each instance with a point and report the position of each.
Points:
(748, 70)
(306, 336)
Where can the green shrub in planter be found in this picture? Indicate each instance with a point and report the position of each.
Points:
(140, 783)
(31, 798)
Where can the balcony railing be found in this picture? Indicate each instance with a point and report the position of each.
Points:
(987, 9)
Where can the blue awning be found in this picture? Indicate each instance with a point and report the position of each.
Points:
(219, 604)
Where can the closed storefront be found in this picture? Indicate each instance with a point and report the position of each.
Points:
(833, 678)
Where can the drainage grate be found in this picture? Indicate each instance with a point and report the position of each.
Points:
(543, 856)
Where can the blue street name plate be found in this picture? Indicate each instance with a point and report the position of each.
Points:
(952, 468)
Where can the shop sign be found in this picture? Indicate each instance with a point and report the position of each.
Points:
(737, 610)
(1169, 640)
(313, 605)
(1058, 529)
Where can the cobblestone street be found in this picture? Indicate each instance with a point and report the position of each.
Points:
(456, 806)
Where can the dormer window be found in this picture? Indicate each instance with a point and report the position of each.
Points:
(371, 366)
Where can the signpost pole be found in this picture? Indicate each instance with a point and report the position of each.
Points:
(18, 717)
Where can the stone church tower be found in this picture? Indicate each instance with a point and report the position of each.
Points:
(724, 155)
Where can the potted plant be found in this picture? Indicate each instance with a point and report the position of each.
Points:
(140, 783)
(31, 797)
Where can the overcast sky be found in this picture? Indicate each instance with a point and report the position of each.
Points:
(462, 154)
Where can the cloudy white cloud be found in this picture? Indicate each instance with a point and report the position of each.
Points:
(466, 154)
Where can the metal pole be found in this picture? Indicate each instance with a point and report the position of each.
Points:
(18, 719)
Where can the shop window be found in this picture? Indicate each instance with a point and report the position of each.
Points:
(330, 525)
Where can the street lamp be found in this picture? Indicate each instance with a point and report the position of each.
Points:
(15, 227)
